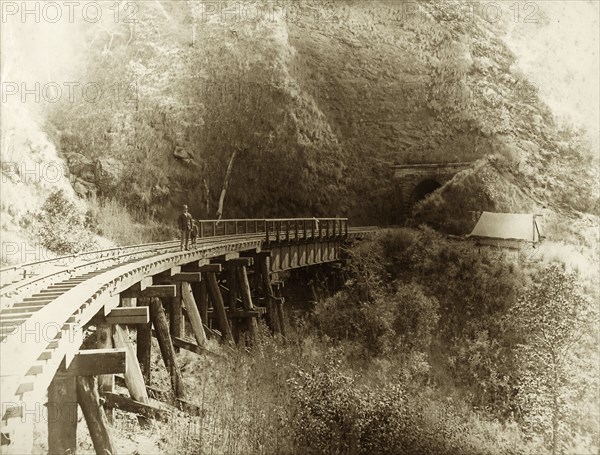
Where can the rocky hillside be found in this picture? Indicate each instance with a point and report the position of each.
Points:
(311, 102)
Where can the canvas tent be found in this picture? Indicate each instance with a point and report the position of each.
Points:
(510, 230)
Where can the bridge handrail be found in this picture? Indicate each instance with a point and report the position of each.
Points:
(431, 165)
(296, 228)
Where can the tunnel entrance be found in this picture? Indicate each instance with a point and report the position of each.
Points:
(424, 188)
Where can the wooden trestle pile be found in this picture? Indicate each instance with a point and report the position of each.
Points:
(217, 300)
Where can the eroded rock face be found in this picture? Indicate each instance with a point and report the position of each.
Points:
(107, 174)
(89, 176)
(183, 155)
(84, 189)
(81, 166)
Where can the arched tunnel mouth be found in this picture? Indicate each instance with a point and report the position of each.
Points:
(423, 189)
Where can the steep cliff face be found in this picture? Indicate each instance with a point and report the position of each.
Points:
(316, 100)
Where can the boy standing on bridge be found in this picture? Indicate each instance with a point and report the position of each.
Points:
(185, 226)
(194, 233)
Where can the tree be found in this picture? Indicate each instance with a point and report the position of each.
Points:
(225, 184)
(551, 320)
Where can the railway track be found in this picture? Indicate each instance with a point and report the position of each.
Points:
(45, 317)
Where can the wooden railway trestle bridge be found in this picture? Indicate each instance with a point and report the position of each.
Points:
(65, 322)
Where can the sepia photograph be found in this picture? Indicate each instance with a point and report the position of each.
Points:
(300, 227)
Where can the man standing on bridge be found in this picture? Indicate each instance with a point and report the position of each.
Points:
(185, 226)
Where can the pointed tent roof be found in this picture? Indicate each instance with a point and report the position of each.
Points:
(507, 226)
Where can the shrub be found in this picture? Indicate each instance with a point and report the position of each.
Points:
(415, 317)
(389, 322)
(62, 225)
(338, 415)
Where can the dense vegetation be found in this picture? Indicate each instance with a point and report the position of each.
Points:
(431, 347)
(516, 337)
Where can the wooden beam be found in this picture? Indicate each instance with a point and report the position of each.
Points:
(144, 345)
(133, 373)
(189, 346)
(144, 350)
(217, 299)
(192, 347)
(93, 362)
(88, 399)
(176, 323)
(240, 262)
(239, 314)
(131, 315)
(244, 286)
(159, 320)
(206, 268)
(158, 290)
(212, 332)
(190, 277)
(62, 413)
(23, 309)
(257, 281)
(124, 403)
(140, 285)
(181, 404)
(231, 283)
(193, 313)
(246, 293)
(200, 291)
(106, 382)
(194, 264)
(279, 308)
(265, 265)
(169, 272)
(226, 257)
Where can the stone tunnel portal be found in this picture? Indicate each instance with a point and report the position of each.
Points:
(415, 181)
(422, 190)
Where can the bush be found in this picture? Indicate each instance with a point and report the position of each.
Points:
(63, 225)
(427, 289)
(338, 415)
(390, 322)
(415, 317)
